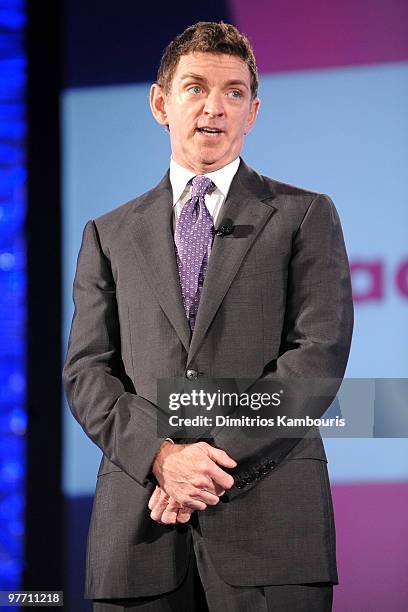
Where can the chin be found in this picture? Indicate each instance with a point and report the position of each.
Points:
(208, 161)
(208, 158)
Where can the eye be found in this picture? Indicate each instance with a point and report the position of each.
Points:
(195, 89)
(235, 93)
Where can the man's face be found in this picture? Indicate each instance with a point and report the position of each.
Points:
(208, 110)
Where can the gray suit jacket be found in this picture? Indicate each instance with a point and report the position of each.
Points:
(276, 302)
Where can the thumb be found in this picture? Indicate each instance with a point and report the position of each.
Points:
(220, 456)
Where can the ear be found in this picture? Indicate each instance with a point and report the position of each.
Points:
(157, 104)
(253, 112)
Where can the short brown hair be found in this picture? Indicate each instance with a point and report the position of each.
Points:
(207, 37)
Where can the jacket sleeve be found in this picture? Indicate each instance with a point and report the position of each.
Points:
(315, 341)
(121, 423)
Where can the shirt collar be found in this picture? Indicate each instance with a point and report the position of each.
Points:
(222, 178)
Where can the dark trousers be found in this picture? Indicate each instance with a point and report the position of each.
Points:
(202, 590)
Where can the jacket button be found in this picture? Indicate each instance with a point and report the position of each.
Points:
(191, 374)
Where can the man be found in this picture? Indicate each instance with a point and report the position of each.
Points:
(158, 295)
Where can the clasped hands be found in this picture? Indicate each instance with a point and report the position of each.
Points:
(189, 479)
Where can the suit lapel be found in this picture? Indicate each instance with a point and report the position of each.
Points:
(247, 207)
(152, 238)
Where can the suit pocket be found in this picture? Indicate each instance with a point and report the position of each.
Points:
(306, 457)
(309, 448)
(109, 472)
(326, 493)
(247, 273)
(106, 467)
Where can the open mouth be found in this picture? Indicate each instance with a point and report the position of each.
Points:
(209, 131)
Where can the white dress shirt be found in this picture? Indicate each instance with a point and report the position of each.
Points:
(221, 178)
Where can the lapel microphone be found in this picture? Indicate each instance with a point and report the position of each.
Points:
(226, 229)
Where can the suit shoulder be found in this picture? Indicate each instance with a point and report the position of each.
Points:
(116, 215)
(287, 189)
(111, 222)
(296, 198)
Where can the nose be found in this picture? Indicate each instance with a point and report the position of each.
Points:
(214, 104)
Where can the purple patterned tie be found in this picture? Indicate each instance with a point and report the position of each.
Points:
(193, 238)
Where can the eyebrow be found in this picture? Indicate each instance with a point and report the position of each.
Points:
(198, 77)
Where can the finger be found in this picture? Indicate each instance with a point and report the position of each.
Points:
(160, 498)
(159, 507)
(154, 498)
(188, 496)
(218, 455)
(169, 515)
(184, 515)
(204, 496)
(220, 477)
(218, 490)
(210, 486)
(204, 483)
(194, 504)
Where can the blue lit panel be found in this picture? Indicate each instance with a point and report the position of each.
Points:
(13, 418)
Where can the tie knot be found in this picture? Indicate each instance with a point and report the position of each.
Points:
(200, 185)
